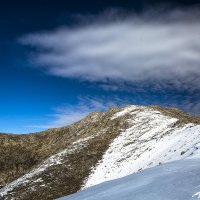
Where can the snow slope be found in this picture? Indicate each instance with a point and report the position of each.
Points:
(151, 140)
(178, 180)
(139, 138)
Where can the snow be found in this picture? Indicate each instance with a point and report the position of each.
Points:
(150, 141)
(197, 195)
(53, 160)
(178, 180)
(126, 110)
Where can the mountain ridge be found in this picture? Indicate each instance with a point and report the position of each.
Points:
(60, 154)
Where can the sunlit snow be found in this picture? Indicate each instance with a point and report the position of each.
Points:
(150, 141)
(178, 180)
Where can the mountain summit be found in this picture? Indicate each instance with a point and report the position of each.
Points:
(101, 147)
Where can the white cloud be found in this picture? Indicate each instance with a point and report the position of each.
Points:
(154, 51)
(156, 47)
(66, 115)
(69, 114)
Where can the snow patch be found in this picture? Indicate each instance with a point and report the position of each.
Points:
(150, 141)
(125, 111)
(53, 160)
(197, 195)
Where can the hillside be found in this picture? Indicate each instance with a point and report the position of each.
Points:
(101, 147)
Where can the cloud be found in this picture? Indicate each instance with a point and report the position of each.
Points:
(69, 114)
(156, 47)
(155, 56)
(66, 115)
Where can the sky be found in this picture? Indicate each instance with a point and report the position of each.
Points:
(60, 60)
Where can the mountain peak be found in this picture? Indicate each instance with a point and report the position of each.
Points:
(103, 146)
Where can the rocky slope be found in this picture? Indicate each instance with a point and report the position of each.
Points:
(102, 146)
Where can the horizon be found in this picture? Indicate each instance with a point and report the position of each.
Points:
(121, 107)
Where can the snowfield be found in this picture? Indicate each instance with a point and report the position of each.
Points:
(178, 180)
(151, 140)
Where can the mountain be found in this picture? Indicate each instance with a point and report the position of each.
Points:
(101, 147)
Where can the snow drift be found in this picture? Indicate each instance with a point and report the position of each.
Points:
(178, 180)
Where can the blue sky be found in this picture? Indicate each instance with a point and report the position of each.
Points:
(60, 61)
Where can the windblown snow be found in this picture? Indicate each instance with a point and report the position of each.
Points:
(151, 140)
(178, 180)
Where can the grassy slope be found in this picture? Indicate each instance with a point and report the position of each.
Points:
(20, 153)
